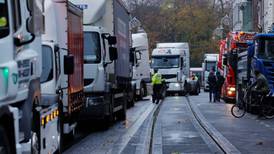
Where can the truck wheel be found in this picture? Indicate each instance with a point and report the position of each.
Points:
(122, 114)
(130, 99)
(143, 91)
(35, 138)
(34, 143)
(108, 119)
(4, 142)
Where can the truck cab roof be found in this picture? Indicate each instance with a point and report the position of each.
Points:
(168, 52)
(264, 36)
(173, 45)
(140, 41)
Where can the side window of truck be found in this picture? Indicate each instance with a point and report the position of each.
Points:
(16, 11)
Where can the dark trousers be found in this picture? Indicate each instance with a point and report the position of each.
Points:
(156, 93)
(218, 94)
(212, 92)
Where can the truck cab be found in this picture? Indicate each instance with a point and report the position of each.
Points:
(236, 43)
(20, 67)
(141, 69)
(172, 62)
(210, 62)
(107, 82)
(263, 56)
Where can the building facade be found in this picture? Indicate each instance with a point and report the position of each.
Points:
(253, 15)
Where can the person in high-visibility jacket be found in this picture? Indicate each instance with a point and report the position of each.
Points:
(157, 86)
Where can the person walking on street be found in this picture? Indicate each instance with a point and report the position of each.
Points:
(220, 82)
(212, 81)
(157, 85)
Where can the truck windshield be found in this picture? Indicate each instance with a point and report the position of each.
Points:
(165, 62)
(92, 47)
(265, 49)
(210, 65)
(4, 26)
(47, 64)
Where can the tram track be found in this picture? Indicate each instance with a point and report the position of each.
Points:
(216, 137)
(215, 140)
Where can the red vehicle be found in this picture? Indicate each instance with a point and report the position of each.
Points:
(227, 64)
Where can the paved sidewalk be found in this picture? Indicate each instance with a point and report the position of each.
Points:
(248, 134)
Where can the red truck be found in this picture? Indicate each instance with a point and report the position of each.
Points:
(227, 64)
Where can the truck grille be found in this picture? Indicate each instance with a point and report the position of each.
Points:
(169, 76)
(269, 65)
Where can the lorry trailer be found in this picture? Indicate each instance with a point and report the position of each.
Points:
(107, 76)
(62, 79)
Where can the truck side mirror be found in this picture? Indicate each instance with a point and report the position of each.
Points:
(132, 49)
(56, 48)
(131, 56)
(68, 64)
(182, 62)
(35, 23)
(112, 40)
(113, 54)
(178, 76)
(138, 55)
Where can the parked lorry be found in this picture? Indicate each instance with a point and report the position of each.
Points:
(107, 76)
(172, 62)
(209, 63)
(141, 67)
(21, 26)
(62, 79)
(235, 42)
(259, 55)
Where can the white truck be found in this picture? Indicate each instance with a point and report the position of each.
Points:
(62, 79)
(172, 62)
(21, 26)
(209, 63)
(107, 76)
(141, 68)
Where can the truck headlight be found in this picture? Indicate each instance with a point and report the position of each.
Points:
(232, 89)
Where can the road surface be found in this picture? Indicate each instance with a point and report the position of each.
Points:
(188, 124)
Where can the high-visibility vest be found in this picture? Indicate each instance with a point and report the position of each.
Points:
(156, 79)
(3, 22)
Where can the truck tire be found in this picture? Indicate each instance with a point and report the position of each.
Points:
(130, 98)
(143, 90)
(35, 131)
(108, 119)
(122, 114)
(4, 142)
